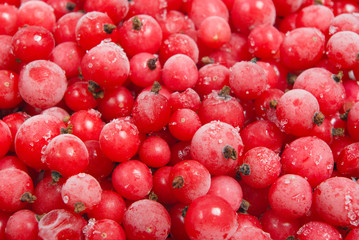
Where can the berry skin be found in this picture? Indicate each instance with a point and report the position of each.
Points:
(297, 112)
(336, 201)
(260, 167)
(22, 225)
(154, 152)
(16, 190)
(119, 140)
(302, 48)
(290, 196)
(146, 219)
(179, 73)
(247, 14)
(214, 32)
(81, 192)
(209, 218)
(140, 33)
(132, 180)
(106, 64)
(94, 27)
(42, 84)
(189, 180)
(32, 43)
(218, 147)
(247, 80)
(309, 157)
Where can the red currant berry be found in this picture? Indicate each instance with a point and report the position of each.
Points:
(189, 180)
(106, 64)
(290, 196)
(94, 27)
(119, 140)
(140, 33)
(218, 147)
(146, 219)
(81, 192)
(42, 84)
(210, 217)
(132, 180)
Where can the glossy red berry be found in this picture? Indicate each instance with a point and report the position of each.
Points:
(33, 136)
(151, 110)
(247, 14)
(22, 225)
(325, 86)
(86, 124)
(94, 27)
(140, 33)
(309, 157)
(37, 13)
(66, 154)
(184, 123)
(297, 112)
(220, 106)
(154, 152)
(65, 27)
(210, 217)
(162, 187)
(116, 103)
(48, 195)
(316, 229)
(104, 228)
(145, 69)
(178, 43)
(116, 10)
(119, 140)
(200, 10)
(189, 180)
(132, 180)
(227, 188)
(179, 73)
(302, 48)
(8, 19)
(112, 206)
(106, 64)
(214, 31)
(16, 190)
(260, 167)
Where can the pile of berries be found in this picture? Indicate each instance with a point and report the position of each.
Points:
(179, 119)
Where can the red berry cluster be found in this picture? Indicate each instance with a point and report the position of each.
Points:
(179, 119)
